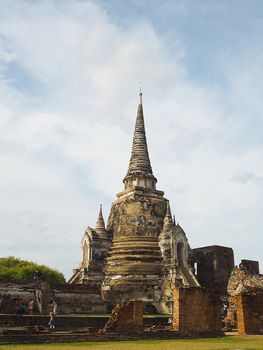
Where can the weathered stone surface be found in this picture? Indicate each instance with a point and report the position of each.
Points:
(134, 268)
(79, 298)
(95, 245)
(250, 266)
(44, 294)
(70, 298)
(126, 318)
(10, 292)
(177, 261)
(139, 214)
(241, 281)
(196, 310)
(140, 161)
(214, 265)
(250, 312)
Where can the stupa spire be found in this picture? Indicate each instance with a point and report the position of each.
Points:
(140, 95)
(100, 224)
(140, 164)
(168, 221)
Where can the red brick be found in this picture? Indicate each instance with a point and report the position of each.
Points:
(196, 310)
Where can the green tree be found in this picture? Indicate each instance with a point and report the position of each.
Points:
(17, 270)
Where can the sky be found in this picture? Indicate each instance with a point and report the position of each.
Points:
(69, 84)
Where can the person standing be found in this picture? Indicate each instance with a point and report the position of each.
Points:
(17, 305)
(30, 306)
(53, 306)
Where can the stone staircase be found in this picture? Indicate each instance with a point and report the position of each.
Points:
(74, 277)
(188, 277)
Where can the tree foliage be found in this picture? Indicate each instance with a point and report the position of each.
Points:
(16, 270)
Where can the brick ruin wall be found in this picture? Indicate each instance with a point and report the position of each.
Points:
(214, 265)
(10, 292)
(70, 298)
(196, 310)
(241, 282)
(252, 266)
(78, 298)
(250, 313)
(126, 318)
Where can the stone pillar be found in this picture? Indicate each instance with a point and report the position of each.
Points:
(196, 311)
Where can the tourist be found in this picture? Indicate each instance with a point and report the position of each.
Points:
(51, 321)
(22, 308)
(53, 306)
(17, 305)
(224, 311)
(30, 306)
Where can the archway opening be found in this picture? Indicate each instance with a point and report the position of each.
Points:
(85, 260)
(180, 254)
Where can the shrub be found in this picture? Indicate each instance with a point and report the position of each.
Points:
(16, 270)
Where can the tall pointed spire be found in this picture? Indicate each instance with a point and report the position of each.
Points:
(100, 224)
(140, 164)
(168, 221)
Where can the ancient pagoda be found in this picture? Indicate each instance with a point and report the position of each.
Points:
(143, 253)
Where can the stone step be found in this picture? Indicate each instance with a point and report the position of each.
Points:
(132, 257)
(148, 239)
(58, 336)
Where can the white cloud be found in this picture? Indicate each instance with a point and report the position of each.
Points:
(66, 123)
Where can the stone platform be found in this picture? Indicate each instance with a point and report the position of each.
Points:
(33, 329)
(24, 336)
(12, 336)
(71, 322)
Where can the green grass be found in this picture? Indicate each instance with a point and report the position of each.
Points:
(224, 343)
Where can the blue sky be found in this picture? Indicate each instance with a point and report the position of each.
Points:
(69, 81)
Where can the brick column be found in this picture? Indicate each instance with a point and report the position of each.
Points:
(250, 313)
(196, 310)
(126, 318)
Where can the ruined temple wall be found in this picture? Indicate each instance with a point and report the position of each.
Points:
(214, 266)
(243, 282)
(126, 318)
(70, 298)
(250, 313)
(76, 298)
(10, 291)
(196, 310)
(252, 266)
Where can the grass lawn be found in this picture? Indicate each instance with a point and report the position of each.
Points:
(225, 343)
